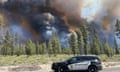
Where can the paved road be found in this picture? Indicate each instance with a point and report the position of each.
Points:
(115, 69)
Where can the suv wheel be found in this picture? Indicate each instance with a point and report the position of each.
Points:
(55, 70)
(60, 69)
(92, 69)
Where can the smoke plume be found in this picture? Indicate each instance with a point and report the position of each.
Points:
(71, 10)
(40, 19)
(108, 13)
(105, 19)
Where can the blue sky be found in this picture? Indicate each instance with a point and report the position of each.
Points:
(90, 9)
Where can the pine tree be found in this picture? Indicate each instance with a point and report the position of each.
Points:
(80, 42)
(30, 48)
(116, 47)
(96, 44)
(17, 50)
(108, 50)
(50, 47)
(21, 49)
(85, 34)
(14, 44)
(1, 26)
(118, 34)
(43, 48)
(73, 44)
(6, 50)
(41, 51)
(56, 45)
(37, 48)
(118, 28)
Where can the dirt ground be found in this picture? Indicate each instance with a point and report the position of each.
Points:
(44, 67)
(29, 68)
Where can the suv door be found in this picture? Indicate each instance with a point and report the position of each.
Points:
(72, 63)
(78, 63)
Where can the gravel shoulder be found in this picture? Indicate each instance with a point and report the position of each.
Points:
(47, 67)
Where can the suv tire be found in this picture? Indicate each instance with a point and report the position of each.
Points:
(92, 69)
(55, 70)
(60, 69)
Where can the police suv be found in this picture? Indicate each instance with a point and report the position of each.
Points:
(78, 63)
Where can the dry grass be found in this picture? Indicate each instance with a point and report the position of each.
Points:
(44, 59)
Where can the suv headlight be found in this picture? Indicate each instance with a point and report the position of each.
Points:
(97, 61)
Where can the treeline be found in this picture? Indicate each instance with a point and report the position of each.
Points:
(79, 44)
(83, 46)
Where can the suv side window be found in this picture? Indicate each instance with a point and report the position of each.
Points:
(75, 60)
(80, 59)
(72, 60)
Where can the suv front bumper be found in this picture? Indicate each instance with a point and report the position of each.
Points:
(99, 67)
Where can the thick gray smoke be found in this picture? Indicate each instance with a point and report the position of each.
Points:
(32, 19)
(41, 18)
(105, 19)
(108, 13)
(71, 10)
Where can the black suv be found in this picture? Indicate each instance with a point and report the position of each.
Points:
(79, 63)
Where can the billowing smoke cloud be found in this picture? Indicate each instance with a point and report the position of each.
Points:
(33, 19)
(108, 13)
(71, 10)
(105, 19)
(41, 18)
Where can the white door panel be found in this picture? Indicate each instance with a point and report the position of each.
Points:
(79, 66)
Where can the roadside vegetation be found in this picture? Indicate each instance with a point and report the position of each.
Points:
(44, 59)
(31, 60)
(115, 58)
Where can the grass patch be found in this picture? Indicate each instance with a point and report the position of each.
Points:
(30, 60)
(115, 58)
(44, 59)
